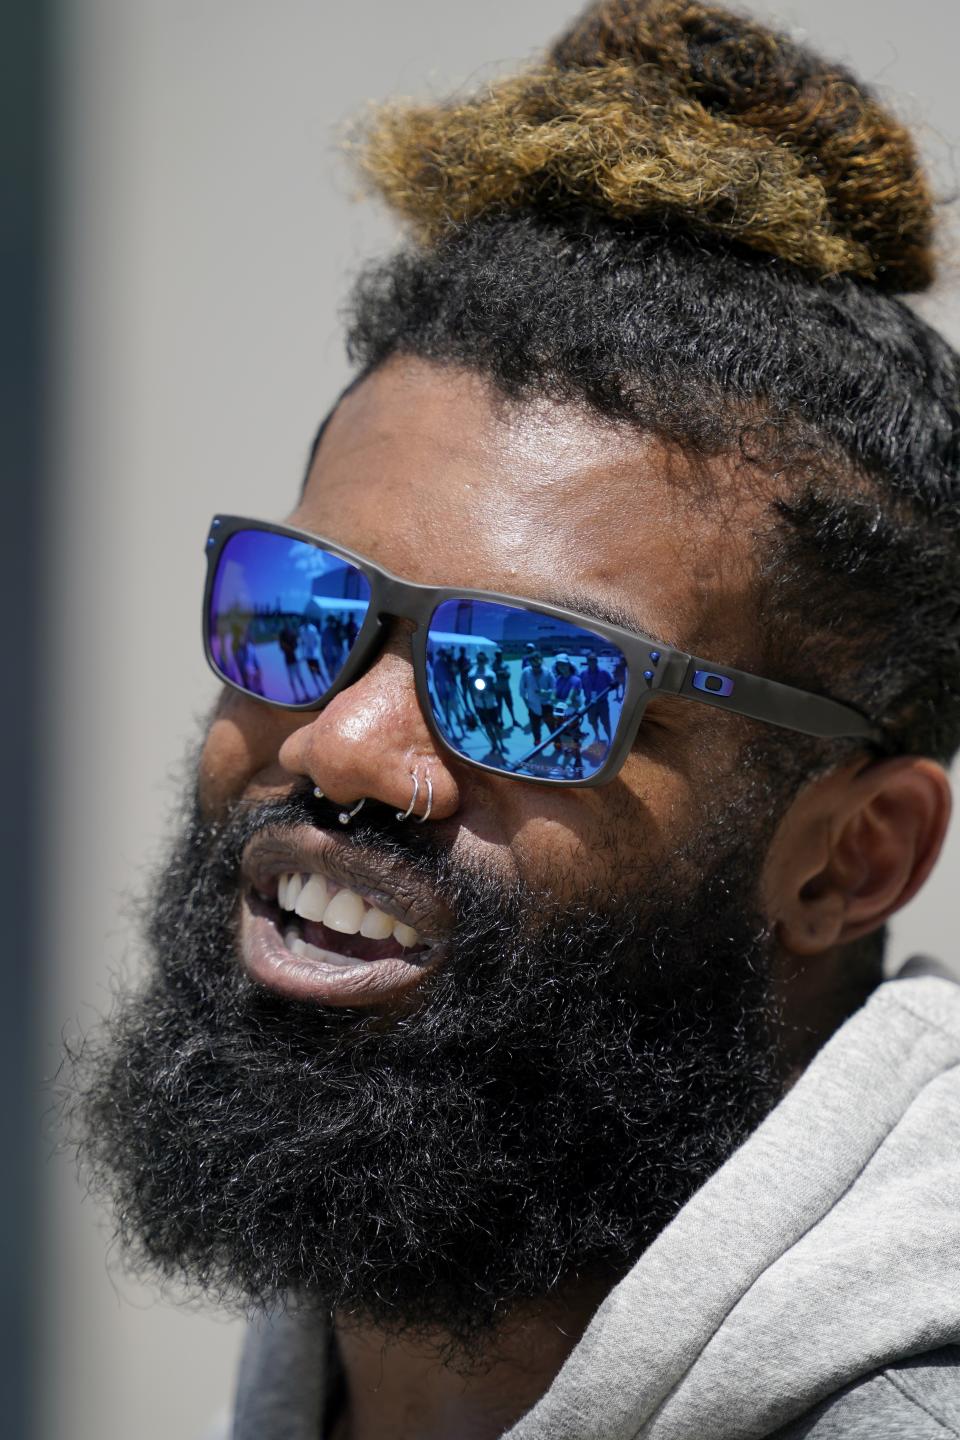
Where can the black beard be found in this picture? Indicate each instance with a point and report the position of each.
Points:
(566, 1082)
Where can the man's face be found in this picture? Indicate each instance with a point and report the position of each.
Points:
(594, 1032)
(423, 472)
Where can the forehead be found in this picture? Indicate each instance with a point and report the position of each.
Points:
(432, 474)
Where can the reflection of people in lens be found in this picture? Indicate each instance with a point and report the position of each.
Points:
(445, 689)
(620, 676)
(568, 704)
(462, 664)
(332, 646)
(289, 640)
(501, 673)
(597, 684)
(536, 691)
(483, 695)
(310, 650)
(248, 665)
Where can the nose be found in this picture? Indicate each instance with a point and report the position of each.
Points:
(371, 739)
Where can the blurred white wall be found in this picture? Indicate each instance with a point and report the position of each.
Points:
(205, 239)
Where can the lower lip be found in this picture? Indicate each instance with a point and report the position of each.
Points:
(367, 982)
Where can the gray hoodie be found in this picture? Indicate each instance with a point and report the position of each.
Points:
(811, 1288)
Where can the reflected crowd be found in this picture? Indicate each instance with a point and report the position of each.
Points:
(545, 715)
(517, 689)
(278, 654)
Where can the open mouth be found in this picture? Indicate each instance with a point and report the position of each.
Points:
(307, 935)
(331, 924)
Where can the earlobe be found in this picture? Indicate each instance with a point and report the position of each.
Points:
(896, 840)
(853, 849)
(813, 925)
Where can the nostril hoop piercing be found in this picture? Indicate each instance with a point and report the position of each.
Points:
(346, 816)
(426, 814)
(405, 814)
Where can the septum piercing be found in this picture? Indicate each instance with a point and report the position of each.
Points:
(346, 816)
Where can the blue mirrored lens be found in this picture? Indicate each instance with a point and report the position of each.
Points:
(523, 692)
(283, 615)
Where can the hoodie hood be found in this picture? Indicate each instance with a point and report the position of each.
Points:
(827, 1247)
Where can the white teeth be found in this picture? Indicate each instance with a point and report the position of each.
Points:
(313, 899)
(344, 913)
(375, 925)
(298, 946)
(288, 888)
(328, 957)
(309, 897)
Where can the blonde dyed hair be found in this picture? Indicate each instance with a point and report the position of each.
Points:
(680, 112)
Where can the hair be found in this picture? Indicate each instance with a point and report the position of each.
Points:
(691, 224)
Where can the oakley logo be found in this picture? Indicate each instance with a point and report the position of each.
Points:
(712, 684)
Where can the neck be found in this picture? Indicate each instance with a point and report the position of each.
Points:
(411, 1389)
(816, 995)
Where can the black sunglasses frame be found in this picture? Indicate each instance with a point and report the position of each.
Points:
(652, 667)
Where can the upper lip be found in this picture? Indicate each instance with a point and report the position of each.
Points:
(387, 884)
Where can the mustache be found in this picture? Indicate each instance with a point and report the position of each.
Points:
(481, 898)
(376, 831)
(484, 905)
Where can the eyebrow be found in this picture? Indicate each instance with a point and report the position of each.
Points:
(608, 612)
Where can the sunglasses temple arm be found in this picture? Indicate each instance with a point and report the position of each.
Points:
(768, 700)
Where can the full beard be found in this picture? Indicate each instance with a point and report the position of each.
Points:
(567, 1080)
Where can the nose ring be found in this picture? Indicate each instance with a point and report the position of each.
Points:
(405, 814)
(419, 819)
(346, 816)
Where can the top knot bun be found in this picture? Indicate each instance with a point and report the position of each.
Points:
(658, 109)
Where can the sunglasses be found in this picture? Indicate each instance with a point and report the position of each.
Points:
(515, 687)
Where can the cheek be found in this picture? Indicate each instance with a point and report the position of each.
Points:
(239, 755)
(583, 845)
(225, 767)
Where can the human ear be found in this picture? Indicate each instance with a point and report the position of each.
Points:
(853, 849)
